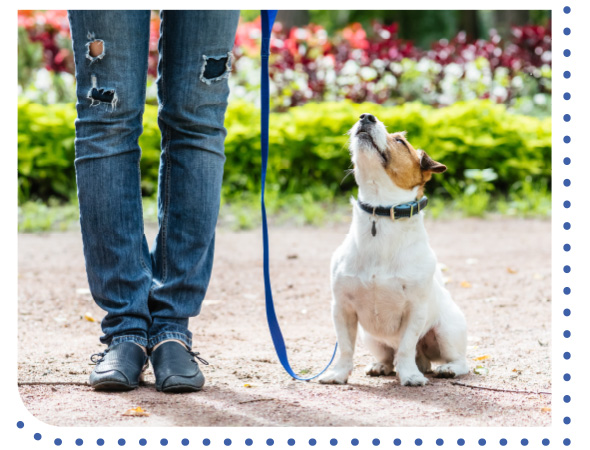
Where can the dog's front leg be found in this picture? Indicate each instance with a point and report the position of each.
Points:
(345, 321)
(405, 358)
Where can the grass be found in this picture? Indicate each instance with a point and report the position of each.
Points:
(39, 217)
(311, 208)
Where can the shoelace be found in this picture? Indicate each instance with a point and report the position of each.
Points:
(196, 355)
(94, 357)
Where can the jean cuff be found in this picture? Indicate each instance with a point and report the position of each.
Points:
(129, 338)
(155, 340)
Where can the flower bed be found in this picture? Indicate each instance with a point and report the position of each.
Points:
(309, 65)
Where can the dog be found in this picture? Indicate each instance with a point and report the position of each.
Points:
(384, 276)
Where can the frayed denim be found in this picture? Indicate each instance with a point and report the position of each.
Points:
(149, 295)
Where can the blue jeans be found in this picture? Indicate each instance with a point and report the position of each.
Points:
(150, 295)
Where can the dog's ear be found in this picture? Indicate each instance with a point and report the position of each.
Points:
(429, 164)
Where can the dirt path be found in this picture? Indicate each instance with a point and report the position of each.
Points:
(499, 274)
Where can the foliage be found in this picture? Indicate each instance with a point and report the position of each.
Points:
(45, 151)
(527, 198)
(475, 198)
(309, 147)
(53, 216)
(425, 26)
(310, 208)
(309, 143)
(30, 56)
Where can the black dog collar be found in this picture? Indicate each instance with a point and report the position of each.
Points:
(405, 210)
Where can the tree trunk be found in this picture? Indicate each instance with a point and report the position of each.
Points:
(293, 18)
(468, 22)
(503, 20)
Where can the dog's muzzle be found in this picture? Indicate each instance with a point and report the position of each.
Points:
(366, 129)
(366, 123)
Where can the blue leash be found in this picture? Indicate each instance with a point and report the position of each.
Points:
(268, 18)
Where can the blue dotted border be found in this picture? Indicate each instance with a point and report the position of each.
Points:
(312, 442)
(121, 442)
(567, 139)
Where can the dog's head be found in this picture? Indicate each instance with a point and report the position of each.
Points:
(388, 160)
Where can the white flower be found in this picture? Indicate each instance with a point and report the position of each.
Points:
(330, 76)
(472, 73)
(517, 82)
(502, 72)
(454, 70)
(499, 92)
(368, 73)
(350, 68)
(446, 99)
(43, 80)
(396, 68)
(424, 65)
(301, 34)
(384, 34)
(389, 81)
(468, 54)
(540, 99)
(378, 64)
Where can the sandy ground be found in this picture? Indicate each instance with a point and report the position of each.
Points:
(498, 271)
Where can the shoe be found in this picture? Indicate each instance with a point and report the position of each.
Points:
(176, 369)
(118, 368)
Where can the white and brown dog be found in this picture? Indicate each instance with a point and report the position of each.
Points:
(385, 276)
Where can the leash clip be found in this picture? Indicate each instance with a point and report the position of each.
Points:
(392, 214)
(411, 211)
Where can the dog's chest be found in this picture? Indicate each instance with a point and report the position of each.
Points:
(380, 277)
(380, 303)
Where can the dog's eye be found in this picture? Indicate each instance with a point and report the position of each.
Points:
(399, 140)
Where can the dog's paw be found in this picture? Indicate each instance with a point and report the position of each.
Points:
(413, 379)
(451, 370)
(334, 377)
(377, 369)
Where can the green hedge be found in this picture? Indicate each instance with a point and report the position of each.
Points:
(308, 145)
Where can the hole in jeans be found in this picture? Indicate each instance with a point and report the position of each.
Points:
(216, 68)
(98, 95)
(94, 48)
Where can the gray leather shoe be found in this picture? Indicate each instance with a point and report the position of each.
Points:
(176, 369)
(118, 368)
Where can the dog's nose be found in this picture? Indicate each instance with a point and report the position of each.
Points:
(366, 118)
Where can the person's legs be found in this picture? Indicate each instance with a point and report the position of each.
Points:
(111, 53)
(195, 60)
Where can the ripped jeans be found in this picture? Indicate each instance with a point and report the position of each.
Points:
(150, 295)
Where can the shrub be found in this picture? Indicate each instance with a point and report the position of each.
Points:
(46, 151)
(308, 147)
